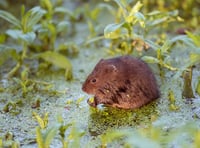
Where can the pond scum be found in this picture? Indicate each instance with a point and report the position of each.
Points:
(48, 47)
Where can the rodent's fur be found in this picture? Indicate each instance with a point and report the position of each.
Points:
(122, 82)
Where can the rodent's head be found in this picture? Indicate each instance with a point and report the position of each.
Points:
(105, 71)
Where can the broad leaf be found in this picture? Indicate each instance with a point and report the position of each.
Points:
(58, 60)
(28, 37)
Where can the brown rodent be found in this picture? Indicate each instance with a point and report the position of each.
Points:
(122, 82)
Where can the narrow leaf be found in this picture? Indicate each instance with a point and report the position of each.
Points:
(10, 18)
(119, 2)
(39, 138)
(112, 30)
(194, 58)
(195, 38)
(36, 14)
(150, 59)
(49, 135)
(136, 8)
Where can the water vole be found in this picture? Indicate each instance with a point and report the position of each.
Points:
(122, 82)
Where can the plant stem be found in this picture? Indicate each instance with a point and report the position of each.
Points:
(14, 70)
(187, 87)
(24, 50)
(19, 63)
(198, 86)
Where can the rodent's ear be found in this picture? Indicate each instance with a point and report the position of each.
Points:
(101, 60)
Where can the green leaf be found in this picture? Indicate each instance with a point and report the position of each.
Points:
(140, 141)
(194, 58)
(39, 138)
(136, 8)
(32, 17)
(28, 37)
(110, 136)
(49, 135)
(110, 8)
(119, 3)
(182, 38)
(66, 11)
(112, 31)
(195, 38)
(62, 26)
(47, 4)
(10, 18)
(156, 12)
(150, 59)
(152, 44)
(58, 60)
(158, 21)
(41, 121)
(133, 16)
(140, 18)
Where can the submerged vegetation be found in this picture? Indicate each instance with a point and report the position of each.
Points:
(43, 46)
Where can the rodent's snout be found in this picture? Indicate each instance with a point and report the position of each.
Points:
(83, 87)
(87, 88)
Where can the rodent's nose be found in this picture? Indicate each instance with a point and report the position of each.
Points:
(84, 87)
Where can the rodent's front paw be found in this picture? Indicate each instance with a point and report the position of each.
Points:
(91, 102)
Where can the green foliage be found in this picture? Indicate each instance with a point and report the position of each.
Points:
(24, 30)
(8, 141)
(188, 9)
(172, 101)
(44, 137)
(131, 138)
(152, 137)
(128, 34)
(58, 60)
(195, 38)
(44, 140)
(24, 26)
(37, 24)
(13, 107)
(42, 121)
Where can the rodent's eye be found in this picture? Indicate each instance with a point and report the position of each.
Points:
(94, 80)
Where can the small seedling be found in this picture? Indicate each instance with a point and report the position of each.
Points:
(172, 101)
(42, 121)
